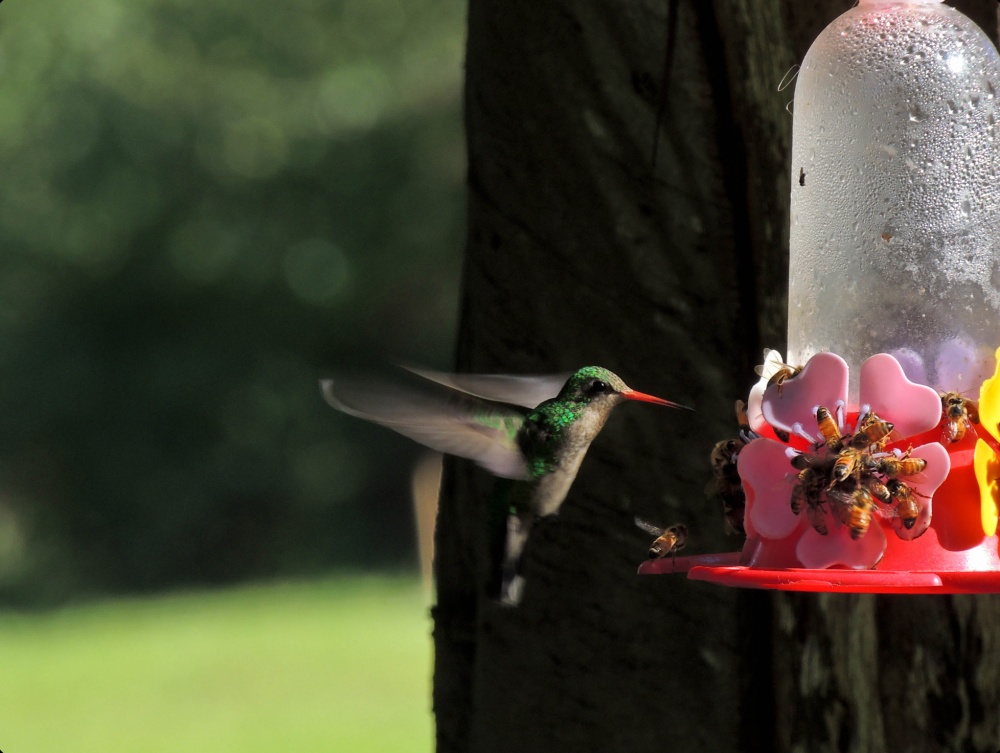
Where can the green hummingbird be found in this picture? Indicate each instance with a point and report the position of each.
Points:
(534, 431)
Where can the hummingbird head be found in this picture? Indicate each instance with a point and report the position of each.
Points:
(597, 387)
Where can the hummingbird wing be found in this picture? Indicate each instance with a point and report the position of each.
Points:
(528, 391)
(454, 422)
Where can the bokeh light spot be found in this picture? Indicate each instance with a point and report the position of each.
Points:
(353, 97)
(317, 271)
(203, 250)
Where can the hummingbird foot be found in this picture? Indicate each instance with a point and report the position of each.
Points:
(512, 582)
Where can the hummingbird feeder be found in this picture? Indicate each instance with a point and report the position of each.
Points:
(875, 467)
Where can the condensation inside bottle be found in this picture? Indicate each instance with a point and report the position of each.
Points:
(895, 201)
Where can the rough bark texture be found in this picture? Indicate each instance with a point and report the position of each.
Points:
(582, 251)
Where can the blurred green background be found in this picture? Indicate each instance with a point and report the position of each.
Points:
(205, 206)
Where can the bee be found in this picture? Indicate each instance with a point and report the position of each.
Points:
(828, 428)
(877, 489)
(807, 496)
(817, 519)
(743, 421)
(803, 493)
(872, 430)
(802, 461)
(841, 496)
(892, 467)
(669, 540)
(855, 510)
(959, 415)
(781, 374)
(723, 457)
(727, 484)
(848, 463)
(733, 511)
(860, 517)
(907, 508)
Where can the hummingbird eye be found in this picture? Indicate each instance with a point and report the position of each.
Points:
(598, 387)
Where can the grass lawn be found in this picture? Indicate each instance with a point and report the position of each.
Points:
(334, 665)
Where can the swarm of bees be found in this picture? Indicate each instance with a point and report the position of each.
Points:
(959, 414)
(848, 477)
(853, 476)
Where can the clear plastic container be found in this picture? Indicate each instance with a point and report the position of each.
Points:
(895, 201)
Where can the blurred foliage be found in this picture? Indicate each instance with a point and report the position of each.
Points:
(205, 206)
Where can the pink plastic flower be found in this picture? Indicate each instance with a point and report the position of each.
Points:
(765, 464)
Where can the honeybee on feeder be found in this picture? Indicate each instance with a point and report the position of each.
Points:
(892, 466)
(807, 494)
(723, 457)
(871, 430)
(959, 414)
(743, 421)
(781, 374)
(828, 429)
(848, 463)
(806, 490)
(858, 517)
(817, 519)
(669, 541)
(907, 508)
(727, 484)
(878, 490)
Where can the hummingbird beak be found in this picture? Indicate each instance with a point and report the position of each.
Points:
(643, 397)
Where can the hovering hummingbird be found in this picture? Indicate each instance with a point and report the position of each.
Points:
(533, 430)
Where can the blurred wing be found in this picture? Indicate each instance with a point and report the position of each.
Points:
(648, 527)
(455, 424)
(528, 391)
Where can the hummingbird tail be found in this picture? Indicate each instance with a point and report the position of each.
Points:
(512, 582)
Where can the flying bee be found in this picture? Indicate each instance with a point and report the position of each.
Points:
(871, 430)
(669, 540)
(828, 428)
(892, 467)
(959, 414)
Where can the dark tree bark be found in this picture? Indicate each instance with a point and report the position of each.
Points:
(581, 250)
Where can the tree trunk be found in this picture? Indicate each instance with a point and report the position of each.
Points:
(582, 250)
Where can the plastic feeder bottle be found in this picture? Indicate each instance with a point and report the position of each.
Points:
(895, 200)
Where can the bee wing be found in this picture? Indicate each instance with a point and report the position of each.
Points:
(453, 423)
(527, 391)
(648, 527)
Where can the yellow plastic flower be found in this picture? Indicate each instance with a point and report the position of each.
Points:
(985, 461)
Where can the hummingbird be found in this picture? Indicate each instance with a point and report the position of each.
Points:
(531, 430)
